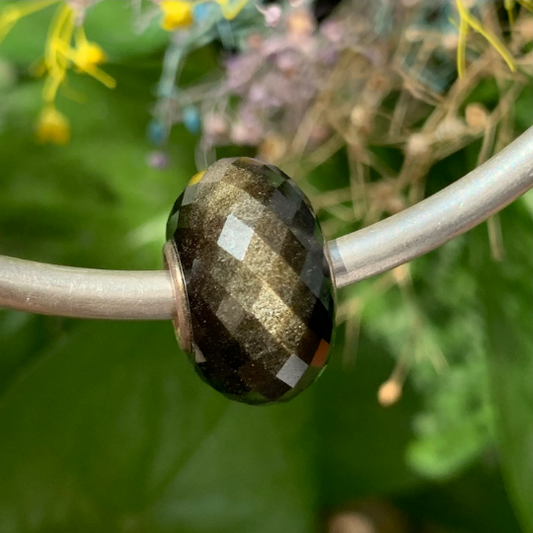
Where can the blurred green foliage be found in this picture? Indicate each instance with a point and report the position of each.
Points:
(105, 427)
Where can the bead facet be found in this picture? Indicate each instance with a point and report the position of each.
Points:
(257, 278)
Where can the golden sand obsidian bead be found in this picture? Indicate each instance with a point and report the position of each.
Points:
(257, 279)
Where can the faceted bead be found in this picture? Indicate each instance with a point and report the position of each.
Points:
(257, 278)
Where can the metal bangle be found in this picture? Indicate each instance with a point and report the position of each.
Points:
(150, 295)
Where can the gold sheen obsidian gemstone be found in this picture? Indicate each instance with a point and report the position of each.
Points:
(257, 278)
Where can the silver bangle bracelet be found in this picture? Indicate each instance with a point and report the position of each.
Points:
(263, 292)
(148, 295)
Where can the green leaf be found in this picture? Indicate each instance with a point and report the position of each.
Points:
(361, 445)
(22, 337)
(506, 293)
(254, 473)
(107, 417)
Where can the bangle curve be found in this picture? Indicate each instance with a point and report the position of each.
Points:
(149, 295)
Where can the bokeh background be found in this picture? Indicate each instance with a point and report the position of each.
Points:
(422, 421)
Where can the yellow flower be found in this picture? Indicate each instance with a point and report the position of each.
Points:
(66, 48)
(177, 14)
(88, 55)
(53, 127)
